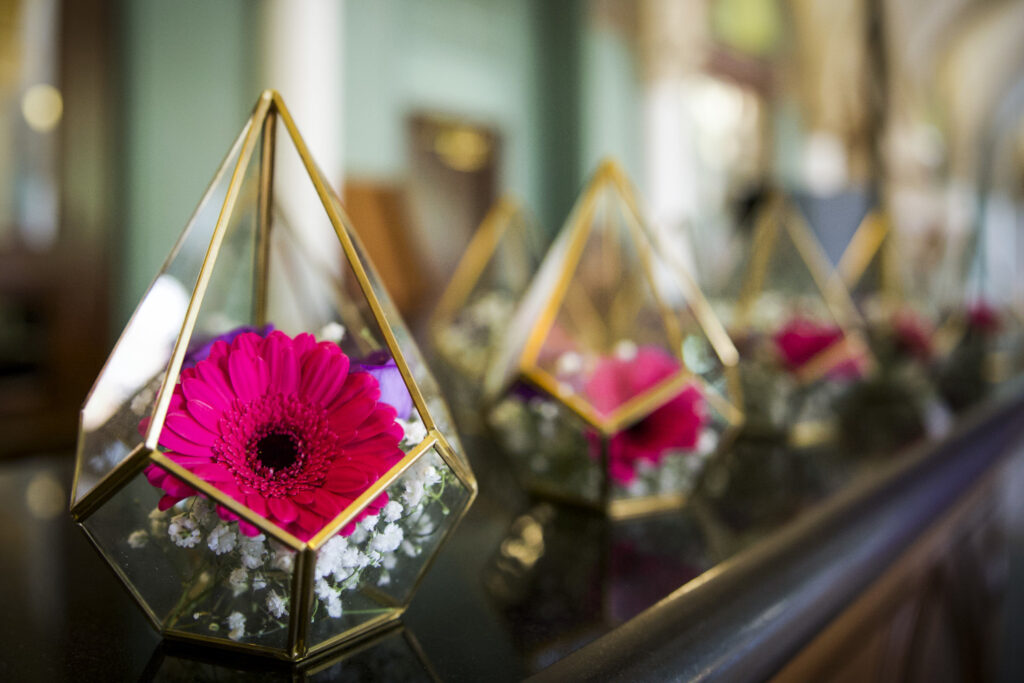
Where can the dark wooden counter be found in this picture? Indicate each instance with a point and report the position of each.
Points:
(527, 588)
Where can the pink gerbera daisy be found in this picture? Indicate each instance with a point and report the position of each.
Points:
(282, 425)
(675, 425)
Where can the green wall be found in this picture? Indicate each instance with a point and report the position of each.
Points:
(470, 58)
(563, 94)
(186, 87)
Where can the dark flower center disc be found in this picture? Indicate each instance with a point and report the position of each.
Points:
(277, 451)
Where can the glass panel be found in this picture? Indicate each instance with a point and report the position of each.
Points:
(611, 307)
(373, 569)
(196, 571)
(313, 288)
(792, 310)
(663, 454)
(126, 388)
(424, 378)
(474, 313)
(551, 449)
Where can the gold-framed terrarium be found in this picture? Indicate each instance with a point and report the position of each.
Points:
(985, 346)
(615, 381)
(898, 403)
(796, 326)
(474, 311)
(900, 322)
(265, 460)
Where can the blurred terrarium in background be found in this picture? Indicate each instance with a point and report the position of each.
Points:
(609, 390)
(797, 330)
(265, 460)
(473, 315)
(898, 403)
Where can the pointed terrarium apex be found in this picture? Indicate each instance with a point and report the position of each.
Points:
(797, 328)
(265, 460)
(900, 325)
(792, 296)
(474, 311)
(615, 381)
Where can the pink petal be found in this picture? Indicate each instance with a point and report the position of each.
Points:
(349, 416)
(378, 503)
(167, 502)
(177, 402)
(154, 475)
(205, 414)
(218, 351)
(310, 522)
(225, 514)
(303, 497)
(376, 446)
(187, 428)
(256, 503)
(171, 441)
(382, 417)
(247, 529)
(249, 343)
(346, 480)
(329, 505)
(212, 473)
(282, 509)
(174, 487)
(283, 366)
(214, 378)
(245, 376)
(198, 390)
(323, 374)
(356, 383)
(303, 343)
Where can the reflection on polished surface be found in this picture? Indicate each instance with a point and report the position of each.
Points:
(562, 576)
(393, 656)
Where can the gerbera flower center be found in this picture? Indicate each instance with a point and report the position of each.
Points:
(277, 451)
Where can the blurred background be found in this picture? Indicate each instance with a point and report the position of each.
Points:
(114, 116)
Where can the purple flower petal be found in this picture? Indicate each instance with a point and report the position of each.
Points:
(393, 391)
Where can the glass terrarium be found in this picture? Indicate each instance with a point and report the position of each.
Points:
(474, 311)
(986, 341)
(265, 460)
(903, 323)
(797, 328)
(907, 336)
(473, 314)
(615, 381)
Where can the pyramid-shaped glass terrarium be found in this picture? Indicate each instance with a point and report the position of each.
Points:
(796, 326)
(985, 333)
(474, 312)
(265, 460)
(901, 327)
(612, 387)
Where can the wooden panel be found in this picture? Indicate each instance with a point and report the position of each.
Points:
(379, 218)
(932, 616)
